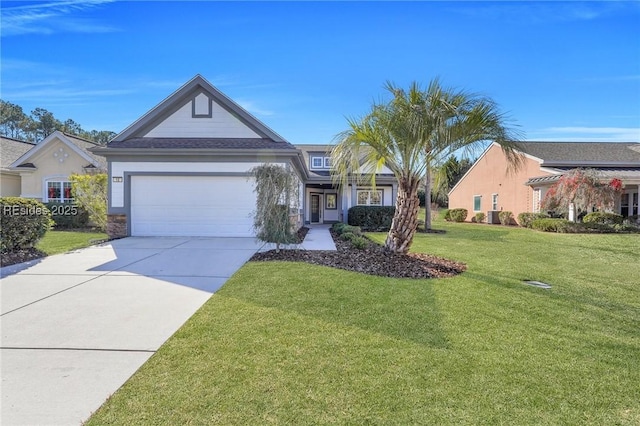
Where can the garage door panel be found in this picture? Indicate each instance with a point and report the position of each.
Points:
(191, 206)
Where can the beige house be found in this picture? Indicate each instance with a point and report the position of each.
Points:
(10, 151)
(43, 170)
(489, 187)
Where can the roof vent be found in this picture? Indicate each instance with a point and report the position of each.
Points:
(539, 284)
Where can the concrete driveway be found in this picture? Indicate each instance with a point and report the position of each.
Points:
(76, 326)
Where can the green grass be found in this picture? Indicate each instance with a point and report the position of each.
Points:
(286, 343)
(55, 242)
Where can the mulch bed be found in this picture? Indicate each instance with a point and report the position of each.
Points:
(19, 256)
(372, 260)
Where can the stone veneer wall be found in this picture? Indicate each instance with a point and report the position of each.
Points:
(117, 225)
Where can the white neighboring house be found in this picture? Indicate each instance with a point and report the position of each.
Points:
(182, 169)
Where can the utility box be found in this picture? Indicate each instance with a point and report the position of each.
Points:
(492, 217)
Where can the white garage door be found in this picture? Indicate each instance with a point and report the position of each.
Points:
(192, 206)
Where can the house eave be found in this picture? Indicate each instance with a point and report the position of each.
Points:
(588, 164)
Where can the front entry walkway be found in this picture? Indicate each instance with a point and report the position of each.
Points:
(318, 238)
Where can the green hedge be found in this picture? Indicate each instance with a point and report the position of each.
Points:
(372, 218)
(67, 215)
(23, 222)
(552, 225)
(526, 219)
(456, 215)
(603, 218)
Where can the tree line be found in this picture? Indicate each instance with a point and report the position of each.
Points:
(34, 127)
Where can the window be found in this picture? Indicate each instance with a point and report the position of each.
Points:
(494, 202)
(369, 197)
(536, 200)
(477, 203)
(316, 162)
(331, 202)
(320, 162)
(59, 191)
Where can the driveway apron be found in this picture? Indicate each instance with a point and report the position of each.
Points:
(76, 326)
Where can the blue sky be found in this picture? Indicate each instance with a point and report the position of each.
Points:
(561, 70)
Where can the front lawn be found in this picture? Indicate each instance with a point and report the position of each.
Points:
(55, 242)
(292, 343)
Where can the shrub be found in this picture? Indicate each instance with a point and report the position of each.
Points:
(603, 218)
(456, 215)
(445, 214)
(338, 227)
(372, 218)
(90, 193)
(359, 242)
(552, 225)
(626, 228)
(479, 217)
(65, 215)
(506, 217)
(352, 229)
(347, 236)
(23, 222)
(526, 219)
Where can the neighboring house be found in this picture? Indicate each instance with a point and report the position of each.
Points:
(489, 186)
(44, 169)
(184, 169)
(10, 151)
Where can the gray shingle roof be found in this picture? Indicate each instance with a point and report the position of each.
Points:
(84, 145)
(11, 150)
(200, 143)
(589, 153)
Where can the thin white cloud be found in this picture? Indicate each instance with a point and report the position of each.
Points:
(611, 78)
(62, 93)
(253, 108)
(52, 17)
(546, 11)
(587, 134)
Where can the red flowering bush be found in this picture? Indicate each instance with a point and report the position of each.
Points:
(583, 188)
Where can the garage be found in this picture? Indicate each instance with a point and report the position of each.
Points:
(192, 205)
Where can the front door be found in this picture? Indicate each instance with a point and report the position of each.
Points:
(315, 208)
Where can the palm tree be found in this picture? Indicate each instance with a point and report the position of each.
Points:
(410, 135)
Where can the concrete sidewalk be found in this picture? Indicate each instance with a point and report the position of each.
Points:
(318, 238)
(76, 326)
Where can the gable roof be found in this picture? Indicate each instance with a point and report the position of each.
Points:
(198, 84)
(583, 153)
(12, 149)
(78, 145)
(198, 143)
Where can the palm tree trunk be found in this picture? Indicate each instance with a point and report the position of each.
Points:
(405, 219)
(427, 201)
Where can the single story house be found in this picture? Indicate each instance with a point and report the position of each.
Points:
(42, 171)
(183, 169)
(10, 150)
(488, 186)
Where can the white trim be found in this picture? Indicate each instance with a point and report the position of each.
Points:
(39, 147)
(494, 201)
(358, 191)
(474, 203)
(316, 157)
(53, 178)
